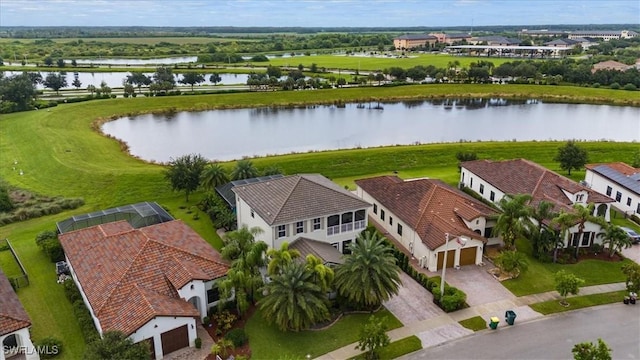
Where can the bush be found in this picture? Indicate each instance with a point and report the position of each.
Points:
(49, 243)
(49, 347)
(595, 85)
(198, 343)
(453, 299)
(614, 86)
(81, 312)
(630, 87)
(237, 336)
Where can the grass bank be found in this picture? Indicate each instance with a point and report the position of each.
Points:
(475, 323)
(579, 302)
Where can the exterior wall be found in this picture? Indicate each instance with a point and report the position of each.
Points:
(196, 288)
(432, 260)
(411, 43)
(244, 218)
(154, 328)
(484, 227)
(473, 181)
(25, 346)
(599, 183)
(96, 322)
(591, 228)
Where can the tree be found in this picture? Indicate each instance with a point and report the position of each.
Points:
(116, 345)
(369, 275)
(128, 89)
(271, 170)
(567, 283)
(274, 71)
(60, 63)
(163, 78)
(323, 275)
(6, 204)
(514, 220)
(48, 61)
(104, 88)
(580, 216)
(512, 262)
(463, 156)
(244, 170)
(184, 173)
(616, 238)
(76, 83)
(213, 176)
(222, 347)
(541, 212)
(342, 82)
(19, 90)
(293, 300)
(215, 78)
(55, 81)
(373, 337)
(632, 271)
(138, 79)
(91, 89)
(636, 160)
(589, 351)
(571, 156)
(192, 78)
(279, 258)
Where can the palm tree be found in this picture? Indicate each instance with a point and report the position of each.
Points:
(514, 220)
(512, 262)
(369, 275)
(543, 211)
(279, 258)
(616, 238)
(322, 274)
(244, 170)
(580, 216)
(564, 221)
(213, 176)
(293, 300)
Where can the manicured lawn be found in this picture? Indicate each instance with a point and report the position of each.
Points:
(475, 323)
(540, 276)
(579, 302)
(267, 342)
(397, 348)
(618, 218)
(9, 265)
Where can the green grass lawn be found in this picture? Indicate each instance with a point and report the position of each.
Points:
(267, 342)
(475, 323)
(397, 349)
(579, 302)
(540, 276)
(9, 265)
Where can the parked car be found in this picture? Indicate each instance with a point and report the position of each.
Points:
(635, 237)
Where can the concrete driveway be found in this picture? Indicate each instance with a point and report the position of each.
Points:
(413, 302)
(632, 253)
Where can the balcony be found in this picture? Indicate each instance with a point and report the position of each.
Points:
(337, 229)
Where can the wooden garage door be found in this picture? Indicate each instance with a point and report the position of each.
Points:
(175, 339)
(468, 256)
(451, 254)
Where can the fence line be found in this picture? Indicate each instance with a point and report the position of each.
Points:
(18, 281)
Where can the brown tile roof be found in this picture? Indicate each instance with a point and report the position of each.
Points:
(431, 207)
(297, 197)
(12, 314)
(610, 65)
(520, 176)
(319, 249)
(620, 167)
(131, 275)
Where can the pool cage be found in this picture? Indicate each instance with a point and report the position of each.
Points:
(138, 215)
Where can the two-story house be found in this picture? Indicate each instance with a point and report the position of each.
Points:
(15, 339)
(301, 206)
(618, 181)
(427, 217)
(494, 180)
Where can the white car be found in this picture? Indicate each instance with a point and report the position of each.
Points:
(635, 237)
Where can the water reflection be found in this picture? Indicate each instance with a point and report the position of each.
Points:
(232, 134)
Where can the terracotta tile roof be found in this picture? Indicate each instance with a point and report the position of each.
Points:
(522, 176)
(319, 249)
(13, 317)
(431, 207)
(131, 275)
(297, 197)
(620, 167)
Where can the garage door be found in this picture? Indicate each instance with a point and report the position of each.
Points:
(450, 257)
(175, 339)
(468, 256)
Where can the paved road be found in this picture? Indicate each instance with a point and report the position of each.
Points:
(552, 337)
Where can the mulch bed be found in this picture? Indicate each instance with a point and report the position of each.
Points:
(244, 350)
(601, 256)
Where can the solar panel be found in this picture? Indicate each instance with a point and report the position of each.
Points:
(623, 180)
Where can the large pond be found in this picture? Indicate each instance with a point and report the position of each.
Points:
(134, 62)
(232, 134)
(115, 79)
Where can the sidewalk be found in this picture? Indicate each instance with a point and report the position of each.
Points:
(446, 326)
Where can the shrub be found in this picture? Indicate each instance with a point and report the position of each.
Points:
(595, 85)
(49, 243)
(630, 87)
(81, 312)
(50, 347)
(615, 86)
(71, 291)
(453, 299)
(237, 336)
(198, 343)
(224, 320)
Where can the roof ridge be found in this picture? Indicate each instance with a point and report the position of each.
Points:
(286, 199)
(432, 191)
(15, 318)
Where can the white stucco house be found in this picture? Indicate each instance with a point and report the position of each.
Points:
(301, 206)
(618, 181)
(14, 326)
(420, 214)
(495, 179)
(154, 283)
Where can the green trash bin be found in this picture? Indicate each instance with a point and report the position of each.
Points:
(510, 317)
(493, 324)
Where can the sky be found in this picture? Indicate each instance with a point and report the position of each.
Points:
(316, 13)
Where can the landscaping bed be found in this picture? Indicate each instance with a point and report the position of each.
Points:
(239, 323)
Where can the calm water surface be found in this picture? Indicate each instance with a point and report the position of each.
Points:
(232, 134)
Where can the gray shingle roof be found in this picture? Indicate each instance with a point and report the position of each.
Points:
(298, 197)
(628, 182)
(227, 194)
(323, 251)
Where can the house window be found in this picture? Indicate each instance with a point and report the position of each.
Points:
(399, 229)
(317, 224)
(609, 190)
(299, 227)
(347, 218)
(360, 214)
(346, 247)
(471, 183)
(638, 208)
(492, 196)
(488, 231)
(628, 201)
(253, 214)
(579, 197)
(375, 208)
(336, 245)
(381, 214)
(333, 220)
(213, 294)
(481, 188)
(586, 238)
(618, 196)
(282, 231)
(390, 220)
(574, 239)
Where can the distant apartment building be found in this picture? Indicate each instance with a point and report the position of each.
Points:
(450, 38)
(494, 40)
(542, 33)
(606, 35)
(411, 41)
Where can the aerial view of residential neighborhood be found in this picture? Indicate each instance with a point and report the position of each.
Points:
(319, 179)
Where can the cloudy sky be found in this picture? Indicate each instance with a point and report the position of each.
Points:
(329, 13)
